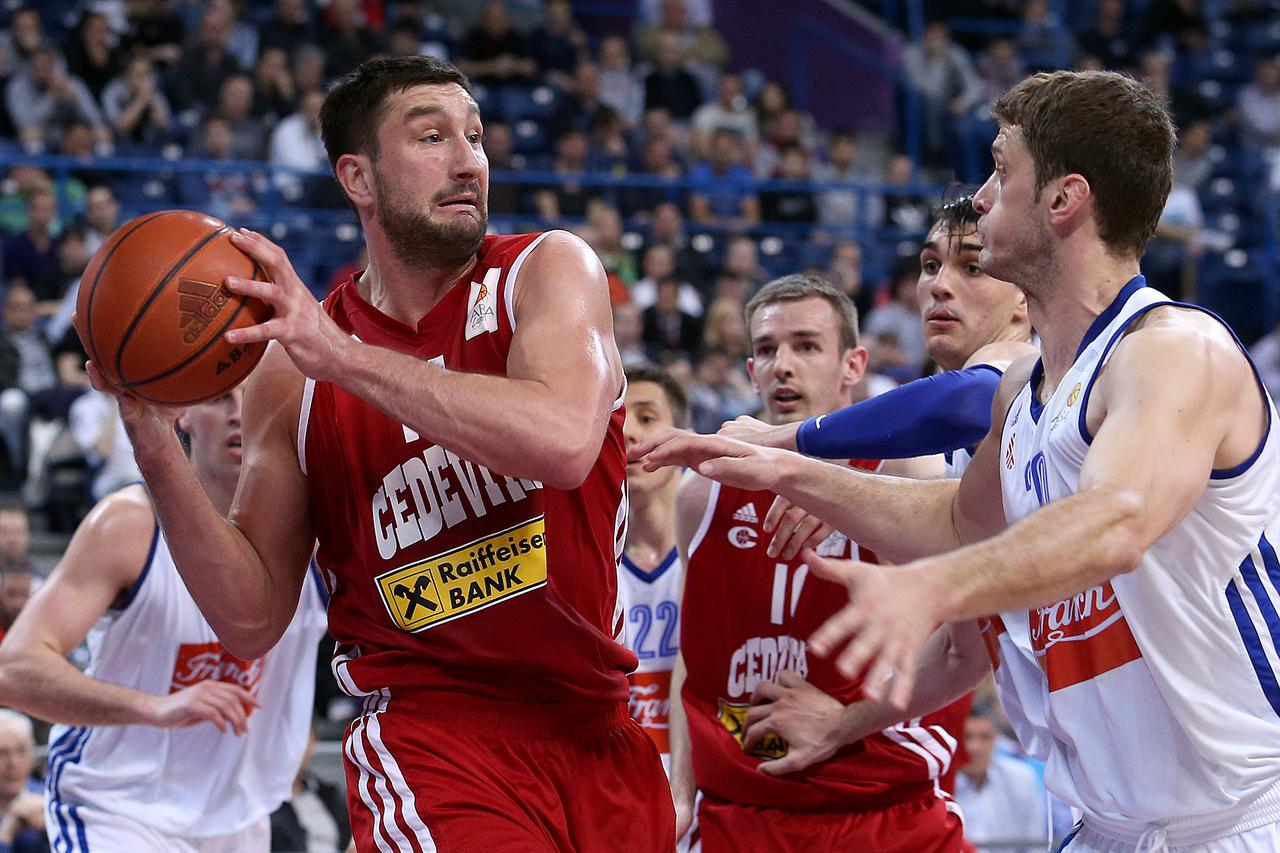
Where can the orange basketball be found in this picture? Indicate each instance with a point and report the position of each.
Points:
(153, 307)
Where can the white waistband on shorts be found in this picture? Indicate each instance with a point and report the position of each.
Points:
(1201, 829)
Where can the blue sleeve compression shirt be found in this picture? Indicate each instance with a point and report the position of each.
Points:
(936, 414)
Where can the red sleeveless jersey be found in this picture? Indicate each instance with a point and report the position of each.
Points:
(745, 617)
(447, 576)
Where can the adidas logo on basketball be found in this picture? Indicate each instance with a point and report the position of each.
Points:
(198, 303)
(747, 514)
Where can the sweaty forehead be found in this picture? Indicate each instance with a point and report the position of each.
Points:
(809, 316)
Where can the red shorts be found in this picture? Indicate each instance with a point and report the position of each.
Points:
(470, 774)
(916, 826)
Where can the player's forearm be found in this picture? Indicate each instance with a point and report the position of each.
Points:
(519, 428)
(953, 663)
(219, 566)
(683, 784)
(1065, 548)
(899, 519)
(46, 685)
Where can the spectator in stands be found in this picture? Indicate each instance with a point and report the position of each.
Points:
(607, 149)
(205, 64)
(288, 27)
(345, 39)
(899, 318)
(790, 204)
(942, 75)
(1258, 105)
(730, 110)
(667, 229)
(559, 44)
(698, 12)
(1185, 104)
(243, 41)
(657, 265)
(1002, 796)
(135, 105)
(627, 329)
(22, 812)
(308, 68)
(31, 257)
(499, 146)
(315, 818)
(24, 37)
(1000, 68)
(493, 53)
(1045, 43)
(1266, 355)
(844, 270)
(26, 370)
(224, 194)
(771, 102)
(235, 107)
(701, 45)
(157, 30)
(721, 391)
(16, 583)
(93, 54)
(670, 85)
(580, 100)
(1192, 163)
(570, 195)
(903, 209)
(101, 217)
(295, 141)
(1111, 39)
(788, 129)
(1173, 253)
(742, 260)
(841, 208)
(99, 432)
(619, 86)
(1178, 24)
(726, 330)
(666, 326)
(274, 93)
(604, 234)
(15, 533)
(44, 99)
(722, 191)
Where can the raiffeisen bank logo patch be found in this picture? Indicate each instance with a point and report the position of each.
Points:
(462, 581)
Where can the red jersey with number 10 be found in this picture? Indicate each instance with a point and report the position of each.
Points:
(447, 576)
(747, 616)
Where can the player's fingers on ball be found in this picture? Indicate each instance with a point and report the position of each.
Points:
(268, 331)
(264, 290)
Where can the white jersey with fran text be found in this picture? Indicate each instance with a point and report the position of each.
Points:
(190, 782)
(651, 629)
(1152, 698)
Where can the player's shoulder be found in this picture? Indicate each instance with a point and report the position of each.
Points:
(1170, 334)
(694, 492)
(1015, 377)
(117, 534)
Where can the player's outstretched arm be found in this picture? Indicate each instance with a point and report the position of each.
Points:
(545, 419)
(1176, 400)
(102, 563)
(245, 572)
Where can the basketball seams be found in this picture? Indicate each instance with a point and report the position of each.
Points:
(259, 274)
(93, 285)
(160, 287)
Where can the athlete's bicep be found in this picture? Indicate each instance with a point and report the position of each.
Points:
(693, 505)
(271, 506)
(103, 561)
(564, 329)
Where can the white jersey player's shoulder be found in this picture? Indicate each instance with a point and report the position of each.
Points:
(1000, 354)
(118, 532)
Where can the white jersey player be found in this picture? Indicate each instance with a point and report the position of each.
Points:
(166, 742)
(1118, 517)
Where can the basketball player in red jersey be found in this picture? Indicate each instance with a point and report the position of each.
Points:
(448, 425)
(745, 619)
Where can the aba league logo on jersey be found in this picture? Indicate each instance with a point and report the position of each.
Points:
(483, 314)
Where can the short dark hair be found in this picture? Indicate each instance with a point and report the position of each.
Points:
(351, 111)
(1107, 127)
(791, 288)
(955, 215)
(677, 400)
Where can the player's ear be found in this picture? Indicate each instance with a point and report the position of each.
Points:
(355, 175)
(855, 365)
(1072, 194)
(751, 372)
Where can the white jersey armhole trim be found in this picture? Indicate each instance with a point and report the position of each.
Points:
(509, 290)
(713, 497)
(304, 418)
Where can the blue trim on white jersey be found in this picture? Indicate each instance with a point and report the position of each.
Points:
(1217, 473)
(1267, 607)
(321, 588)
(650, 577)
(1075, 830)
(74, 741)
(146, 569)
